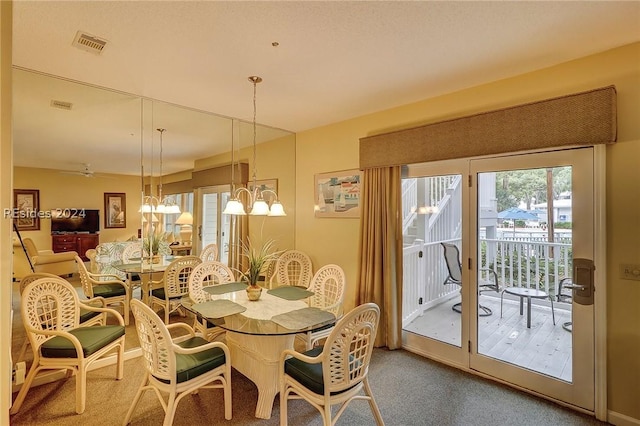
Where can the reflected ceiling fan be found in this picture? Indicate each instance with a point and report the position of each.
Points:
(86, 172)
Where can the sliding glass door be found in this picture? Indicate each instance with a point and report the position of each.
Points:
(211, 225)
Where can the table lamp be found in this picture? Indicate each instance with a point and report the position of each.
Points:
(185, 221)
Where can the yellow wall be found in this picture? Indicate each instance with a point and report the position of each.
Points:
(335, 147)
(58, 190)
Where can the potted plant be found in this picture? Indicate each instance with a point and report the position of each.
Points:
(258, 258)
(154, 244)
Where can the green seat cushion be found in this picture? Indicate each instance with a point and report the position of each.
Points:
(190, 366)
(91, 339)
(160, 294)
(87, 315)
(108, 290)
(308, 375)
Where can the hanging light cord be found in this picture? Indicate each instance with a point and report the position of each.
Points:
(160, 186)
(255, 81)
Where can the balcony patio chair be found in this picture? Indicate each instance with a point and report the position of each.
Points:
(210, 252)
(452, 260)
(107, 286)
(207, 273)
(174, 285)
(50, 311)
(87, 318)
(178, 366)
(565, 294)
(327, 286)
(293, 267)
(335, 373)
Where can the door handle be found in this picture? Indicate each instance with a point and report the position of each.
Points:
(583, 286)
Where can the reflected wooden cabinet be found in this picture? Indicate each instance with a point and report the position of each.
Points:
(79, 243)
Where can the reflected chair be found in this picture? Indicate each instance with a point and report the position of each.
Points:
(62, 263)
(174, 285)
(87, 318)
(178, 366)
(335, 373)
(203, 275)
(452, 260)
(209, 253)
(107, 286)
(293, 267)
(132, 251)
(327, 286)
(51, 316)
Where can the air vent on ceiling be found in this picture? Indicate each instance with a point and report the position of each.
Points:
(89, 42)
(61, 104)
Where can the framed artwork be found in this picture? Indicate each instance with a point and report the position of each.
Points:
(270, 184)
(26, 204)
(115, 210)
(337, 194)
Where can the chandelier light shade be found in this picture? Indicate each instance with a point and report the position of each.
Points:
(256, 201)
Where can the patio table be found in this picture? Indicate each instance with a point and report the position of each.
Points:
(528, 293)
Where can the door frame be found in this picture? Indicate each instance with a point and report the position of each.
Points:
(600, 296)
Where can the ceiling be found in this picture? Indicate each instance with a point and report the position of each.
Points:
(322, 62)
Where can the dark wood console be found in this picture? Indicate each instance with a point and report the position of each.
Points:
(78, 242)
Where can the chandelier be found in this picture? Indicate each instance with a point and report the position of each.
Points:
(256, 201)
(152, 204)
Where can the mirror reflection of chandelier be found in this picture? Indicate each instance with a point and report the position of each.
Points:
(256, 201)
(152, 204)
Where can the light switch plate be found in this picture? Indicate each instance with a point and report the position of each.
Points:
(630, 272)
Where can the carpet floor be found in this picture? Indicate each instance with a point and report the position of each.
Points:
(409, 389)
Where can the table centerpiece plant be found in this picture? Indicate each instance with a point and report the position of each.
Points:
(258, 259)
(155, 244)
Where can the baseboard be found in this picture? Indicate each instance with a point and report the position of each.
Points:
(621, 420)
(49, 376)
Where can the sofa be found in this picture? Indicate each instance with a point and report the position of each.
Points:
(62, 264)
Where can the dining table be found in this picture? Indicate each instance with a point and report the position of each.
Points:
(147, 270)
(257, 332)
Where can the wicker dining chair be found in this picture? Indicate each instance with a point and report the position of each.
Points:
(335, 373)
(327, 286)
(110, 287)
(178, 366)
(210, 252)
(50, 310)
(174, 285)
(293, 267)
(203, 275)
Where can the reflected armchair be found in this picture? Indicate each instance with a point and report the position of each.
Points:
(47, 261)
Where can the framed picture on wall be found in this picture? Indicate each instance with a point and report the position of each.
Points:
(115, 210)
(265, 184)
(337, 194)
(26, 203)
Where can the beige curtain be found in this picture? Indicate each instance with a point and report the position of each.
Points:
(380, 251)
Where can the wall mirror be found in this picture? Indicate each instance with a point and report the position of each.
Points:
(108, 122)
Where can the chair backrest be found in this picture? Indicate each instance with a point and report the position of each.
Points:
(293, 267)
(30, 246)
(348, 348)
(155, 341)
(85, 279)
(452, 259)
(131, 250)
(209, 253)
(49, 303)
(207, 274)
(29, 278)
(176, 276)
(327, 286)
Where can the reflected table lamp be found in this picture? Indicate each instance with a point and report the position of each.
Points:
(185, 221)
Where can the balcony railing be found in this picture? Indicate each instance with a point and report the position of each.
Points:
(531, 264)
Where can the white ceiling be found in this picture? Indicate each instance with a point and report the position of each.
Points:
(335, 60)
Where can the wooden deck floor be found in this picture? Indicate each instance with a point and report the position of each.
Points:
(545, 348)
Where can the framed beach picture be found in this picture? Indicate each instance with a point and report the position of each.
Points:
(26, 203)
(115, 210)
(337, 194)
(265, 184)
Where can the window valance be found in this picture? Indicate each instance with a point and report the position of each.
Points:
(579, 119)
